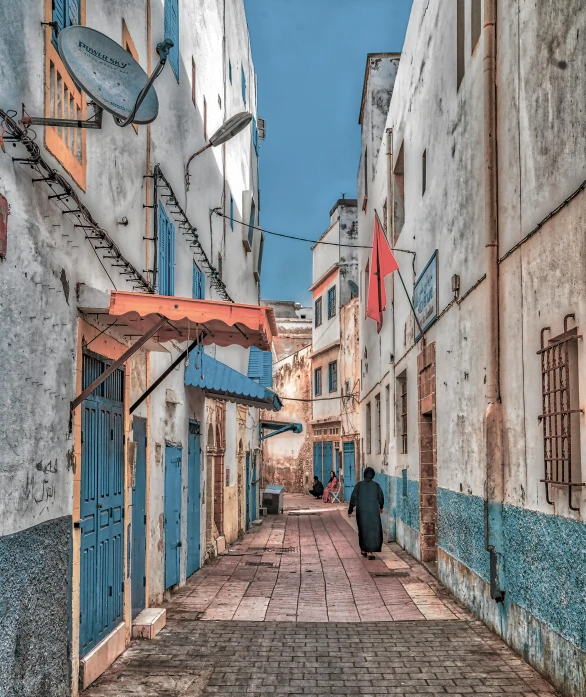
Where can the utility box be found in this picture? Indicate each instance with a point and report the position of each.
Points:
(272, 499)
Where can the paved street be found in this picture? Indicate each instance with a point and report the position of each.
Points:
(294, 609)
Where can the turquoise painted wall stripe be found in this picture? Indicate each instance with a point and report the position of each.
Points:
(405, 508)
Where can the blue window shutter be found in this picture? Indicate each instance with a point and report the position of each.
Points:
(59, 14)
(243, 84)
(266, 379)
(172, 32)
(162, 261)
(255, 135)
(195, 283)
(255, 363)
(171, 237)
(260, 253)
(202, 286)
(230, 71)
(251, 224)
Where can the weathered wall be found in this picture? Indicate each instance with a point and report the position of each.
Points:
(539, 150)
(287, 457)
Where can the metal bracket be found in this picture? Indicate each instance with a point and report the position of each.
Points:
(94, 121)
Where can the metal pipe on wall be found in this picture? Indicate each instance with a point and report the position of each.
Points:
(494, 487)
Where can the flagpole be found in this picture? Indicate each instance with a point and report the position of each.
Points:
(421, 332)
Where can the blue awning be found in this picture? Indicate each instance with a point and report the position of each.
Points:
(219, 381)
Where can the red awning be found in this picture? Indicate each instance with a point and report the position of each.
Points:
(218, 322)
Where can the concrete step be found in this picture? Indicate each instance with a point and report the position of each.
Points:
(149, 623)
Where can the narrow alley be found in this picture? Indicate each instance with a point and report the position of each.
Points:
(294, 609)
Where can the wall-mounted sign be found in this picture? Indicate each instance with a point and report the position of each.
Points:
(425, 295)
(3, 226)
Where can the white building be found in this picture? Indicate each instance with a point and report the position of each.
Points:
(484, 438)
(94, 214)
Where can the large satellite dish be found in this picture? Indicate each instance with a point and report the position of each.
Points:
(109, 74)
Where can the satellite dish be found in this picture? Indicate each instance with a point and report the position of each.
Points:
(230, 128)
(108, 74)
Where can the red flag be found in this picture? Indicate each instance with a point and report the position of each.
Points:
(382, 263)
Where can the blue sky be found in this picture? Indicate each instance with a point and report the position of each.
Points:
(310, 57)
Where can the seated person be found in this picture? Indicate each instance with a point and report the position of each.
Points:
(318, 488)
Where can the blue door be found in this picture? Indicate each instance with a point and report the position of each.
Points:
(193, 498)
(248, 490)
(318, 462)
(102, 505)
(328, 461)
(172, 515)
(138, 557)
(254, 490)
(349, 470)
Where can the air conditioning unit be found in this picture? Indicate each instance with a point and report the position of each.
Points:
(261, 128)
(248, 219)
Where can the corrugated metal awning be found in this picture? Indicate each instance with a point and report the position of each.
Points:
(219, 381)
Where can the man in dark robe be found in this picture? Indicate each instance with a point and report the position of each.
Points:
(368, 500)
(318, 488)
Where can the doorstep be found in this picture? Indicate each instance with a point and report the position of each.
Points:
(102, 656)
(149, 623)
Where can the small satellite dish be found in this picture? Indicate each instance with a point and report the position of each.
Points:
(230, 128)
(107, 73)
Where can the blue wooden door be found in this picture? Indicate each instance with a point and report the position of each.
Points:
(102, 505)
(328, 461)
(138, 556)
(349, 470)
(254, 490)
(248, 490)
(172, 515)
(193, 498)
(318, 462)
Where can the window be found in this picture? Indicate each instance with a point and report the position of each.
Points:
(318, 318)
(231, 212)
(377, 424)
(561, 417)
(260, 366)
(166, 249)
(385, 221)
(251, 222)
(333, 376)
(220, 267)
(63, 98)
(205, 120)
(366, 284)
(402, 410)
(260, 253)
(172, 32)
(399, 194)
(365, 200)
(475, 24)
(424, 172)
(388, 409)
(193, 94)
(317, 382)
(368, 429)
(332, 302)
(255, 141)
(230, 71)
(243, 79)
(460, 32)
(198, 284)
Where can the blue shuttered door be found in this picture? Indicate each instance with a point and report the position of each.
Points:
(193, 499)
(138, 558)
(172, 515)
(318, 462)
(172, 32)
(349, 470)
(166, 248)
(328, 461)
(102, 506)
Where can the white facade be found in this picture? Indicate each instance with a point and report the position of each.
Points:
(51, 270)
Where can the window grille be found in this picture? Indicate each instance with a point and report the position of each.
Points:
(317, 382)
(556, 419)
(318, 318)
(333, 376)
(332, 302)
(368, 428)
(403, 404)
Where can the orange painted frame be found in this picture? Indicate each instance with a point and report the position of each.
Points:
(53, 141)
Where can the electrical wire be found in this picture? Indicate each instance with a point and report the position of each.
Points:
(316, 399)
(306, 239)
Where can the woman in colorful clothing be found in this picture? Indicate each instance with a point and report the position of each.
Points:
(332, 486)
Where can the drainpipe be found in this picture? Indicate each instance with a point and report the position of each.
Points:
(391, 232)
(494, 487)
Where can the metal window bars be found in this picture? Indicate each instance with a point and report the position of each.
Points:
(557, 412)
(404, 416)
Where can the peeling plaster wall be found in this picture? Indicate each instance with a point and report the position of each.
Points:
(541, 151)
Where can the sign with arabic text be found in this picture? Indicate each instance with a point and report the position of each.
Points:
(425, 295)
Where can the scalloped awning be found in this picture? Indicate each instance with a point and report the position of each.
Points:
(217, 322)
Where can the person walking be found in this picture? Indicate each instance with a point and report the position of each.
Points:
(318, 488)
(368, 500)
(332, 486)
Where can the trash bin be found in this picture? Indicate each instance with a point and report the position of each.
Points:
(272, 499)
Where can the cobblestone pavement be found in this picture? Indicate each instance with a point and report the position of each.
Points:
(293, 609)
